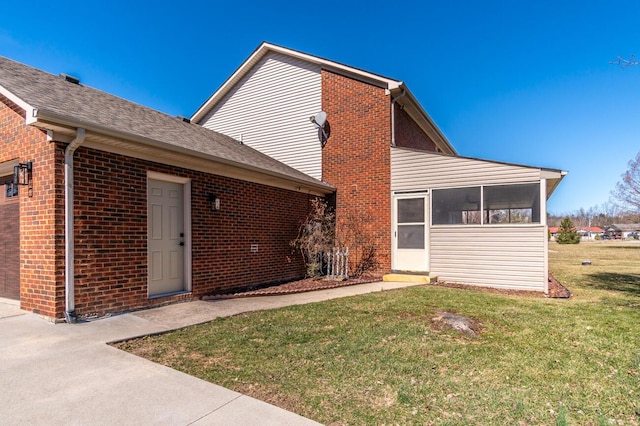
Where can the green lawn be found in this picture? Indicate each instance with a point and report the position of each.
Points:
(379, 359)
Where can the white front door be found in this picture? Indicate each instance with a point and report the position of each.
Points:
(166, 237)
(410, 234)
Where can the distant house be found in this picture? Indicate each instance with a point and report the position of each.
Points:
(622, 231)
(586, 232)
(590, 232)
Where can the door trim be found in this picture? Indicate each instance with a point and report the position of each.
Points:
(186, 203)
(395, 196)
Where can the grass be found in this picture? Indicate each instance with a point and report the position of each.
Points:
(379, 358)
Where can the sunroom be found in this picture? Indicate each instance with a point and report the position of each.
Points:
(471, 221)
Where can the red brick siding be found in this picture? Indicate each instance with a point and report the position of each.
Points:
(111, 233)
(111, 227)
(356, 158)
(408, 134)
(41, 229)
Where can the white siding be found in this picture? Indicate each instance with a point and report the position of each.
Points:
(502, 256)
(510, 257)
(269, 110)
(414, 170)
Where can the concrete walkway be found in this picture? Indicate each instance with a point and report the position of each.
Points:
(66, 374)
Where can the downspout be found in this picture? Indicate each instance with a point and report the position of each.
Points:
(69, 243)
(393, 116)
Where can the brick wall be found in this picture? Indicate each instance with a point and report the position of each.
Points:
(41, 231)
(409, 134)
(111, 233)
(110, 212)
(356, 158)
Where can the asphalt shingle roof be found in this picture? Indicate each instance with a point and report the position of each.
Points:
(81, 103)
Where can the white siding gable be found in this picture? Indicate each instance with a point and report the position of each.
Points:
(269, 110)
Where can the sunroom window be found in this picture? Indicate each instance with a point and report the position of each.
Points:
(456, 206)
(502, 204)
(512, 203)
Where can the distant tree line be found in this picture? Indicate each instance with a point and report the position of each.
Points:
(602, 216)
(624, 206)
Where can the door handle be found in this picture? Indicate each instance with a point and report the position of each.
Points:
(181, 243)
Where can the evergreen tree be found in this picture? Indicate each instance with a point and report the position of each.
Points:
(567, 233)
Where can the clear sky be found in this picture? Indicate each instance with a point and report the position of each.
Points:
(516, 81)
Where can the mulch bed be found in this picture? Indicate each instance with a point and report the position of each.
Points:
(301, 286)
(556, 289)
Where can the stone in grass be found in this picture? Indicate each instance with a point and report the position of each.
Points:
(457, 322)
(586, 263)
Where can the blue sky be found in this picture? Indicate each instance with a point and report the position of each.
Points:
(514, 81)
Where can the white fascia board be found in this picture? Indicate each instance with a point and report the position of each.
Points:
(265, 48)
(51, 120)
(336, 66)
(229, 83)
(16, 100)
(552, 174)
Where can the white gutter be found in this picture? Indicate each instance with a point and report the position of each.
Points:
(69, 243)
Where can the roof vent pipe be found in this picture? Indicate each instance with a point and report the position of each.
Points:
(69, 242)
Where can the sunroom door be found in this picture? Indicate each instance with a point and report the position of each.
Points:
(410, 235)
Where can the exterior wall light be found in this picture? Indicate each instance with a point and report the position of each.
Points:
(22, 176)
(214, 201)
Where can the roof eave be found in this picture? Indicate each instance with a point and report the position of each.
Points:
(49, 120)
(553, 177)
(15, 99)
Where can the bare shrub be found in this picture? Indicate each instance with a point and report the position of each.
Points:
(319, 234)
(316, 236)
(354, 230)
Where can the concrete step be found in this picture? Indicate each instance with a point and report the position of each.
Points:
(409, 278)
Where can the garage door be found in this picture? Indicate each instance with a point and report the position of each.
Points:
(9, 242)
